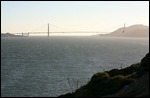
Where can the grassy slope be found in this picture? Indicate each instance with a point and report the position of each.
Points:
(139, 88)
(111, 83)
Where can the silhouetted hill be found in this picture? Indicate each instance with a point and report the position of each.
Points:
(132, 81)
(131, 31)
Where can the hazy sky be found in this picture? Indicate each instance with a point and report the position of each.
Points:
(103, 16)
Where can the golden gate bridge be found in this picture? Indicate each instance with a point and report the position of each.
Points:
(26, 34)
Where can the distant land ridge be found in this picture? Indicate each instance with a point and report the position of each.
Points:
(137, 30)
(10, 35)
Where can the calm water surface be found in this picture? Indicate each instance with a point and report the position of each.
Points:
(41, 66)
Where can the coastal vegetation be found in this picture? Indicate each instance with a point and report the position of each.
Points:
(110, 82)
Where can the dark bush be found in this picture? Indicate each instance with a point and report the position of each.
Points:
(113, 72)
(145, 62)
(144, 66)
(66, 95)
(124, 71)
(100, 75)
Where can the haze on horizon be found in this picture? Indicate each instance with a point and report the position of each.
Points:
(66, 16)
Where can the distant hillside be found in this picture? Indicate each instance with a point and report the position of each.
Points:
(131, 31)
(9, 35)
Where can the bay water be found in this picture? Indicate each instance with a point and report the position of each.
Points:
(51, 66)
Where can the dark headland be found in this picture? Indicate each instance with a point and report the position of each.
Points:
(132, 81)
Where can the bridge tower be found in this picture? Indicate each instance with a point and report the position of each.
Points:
(123, 29)
(48, 30)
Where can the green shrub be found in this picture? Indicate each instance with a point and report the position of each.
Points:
(100, 75)
(100, 79)
(127, 81)
(131, 68)
(98, 82)
(132, 75)
(124, 71)
(113, 72)
(118, 82)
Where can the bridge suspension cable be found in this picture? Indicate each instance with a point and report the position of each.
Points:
(58, 27)
(49, 30)
(39, 28)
